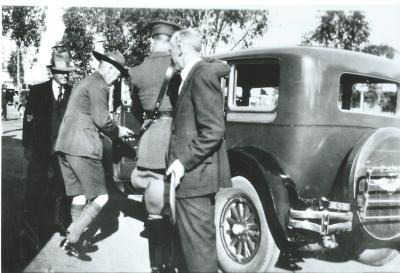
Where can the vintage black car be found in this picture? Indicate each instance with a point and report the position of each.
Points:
(314, 148)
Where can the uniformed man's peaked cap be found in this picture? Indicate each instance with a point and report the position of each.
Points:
(163, 27)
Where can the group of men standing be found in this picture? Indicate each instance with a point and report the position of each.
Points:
(183, 143)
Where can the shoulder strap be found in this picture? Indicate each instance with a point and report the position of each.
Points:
(168, 75)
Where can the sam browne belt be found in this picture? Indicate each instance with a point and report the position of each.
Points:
(155, 115)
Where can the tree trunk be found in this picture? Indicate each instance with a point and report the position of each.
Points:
(18, 74)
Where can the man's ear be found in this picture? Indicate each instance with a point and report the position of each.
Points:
(180, 51)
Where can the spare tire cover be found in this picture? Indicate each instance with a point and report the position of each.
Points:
(375, 183)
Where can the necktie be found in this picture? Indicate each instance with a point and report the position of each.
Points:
(60, 94)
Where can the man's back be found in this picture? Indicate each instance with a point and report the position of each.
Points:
(86, 114)
(146, 80)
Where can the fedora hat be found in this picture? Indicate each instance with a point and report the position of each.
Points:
(61, 61)
(115, 58)
(163, 27)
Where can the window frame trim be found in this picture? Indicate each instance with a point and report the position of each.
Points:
(396, 114)
(232, 107)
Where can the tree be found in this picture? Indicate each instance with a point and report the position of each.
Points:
(351, 31)
(380, 50)
(126, 30)
(13, 66)
(78, 40)
(23, 25)
(338, 30)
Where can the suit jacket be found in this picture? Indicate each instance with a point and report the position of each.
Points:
(47, 115)
(87, 116)
(198, 130)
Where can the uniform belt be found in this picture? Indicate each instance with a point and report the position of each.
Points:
(155, 115)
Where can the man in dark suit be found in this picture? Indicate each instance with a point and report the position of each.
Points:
(86, 121)
(44, 111)
(197, 158)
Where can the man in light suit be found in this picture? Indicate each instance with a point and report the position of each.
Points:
(86, 121)
(42, 118)
(197, 158)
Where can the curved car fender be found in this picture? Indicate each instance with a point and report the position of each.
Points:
(271, 184)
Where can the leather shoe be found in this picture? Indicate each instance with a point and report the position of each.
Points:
(144, 233)
(87, 246)
(285, 262)
(74, 250)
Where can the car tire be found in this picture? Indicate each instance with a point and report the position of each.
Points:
(240, 249)
(377, 257)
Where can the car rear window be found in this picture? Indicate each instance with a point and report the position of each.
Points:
(368, 95)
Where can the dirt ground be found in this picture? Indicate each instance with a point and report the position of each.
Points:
(121, 249)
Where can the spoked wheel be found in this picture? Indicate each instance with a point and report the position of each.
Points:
(244, 241)
(240, 229)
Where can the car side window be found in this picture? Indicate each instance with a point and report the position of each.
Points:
(368, 95)
(256, 86)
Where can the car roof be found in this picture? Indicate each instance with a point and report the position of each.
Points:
(338, 57)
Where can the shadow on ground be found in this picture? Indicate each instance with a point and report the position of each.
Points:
(24, 235)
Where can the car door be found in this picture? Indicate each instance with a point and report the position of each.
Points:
(124, 151)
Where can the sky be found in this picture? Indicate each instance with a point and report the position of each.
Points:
(288, 22)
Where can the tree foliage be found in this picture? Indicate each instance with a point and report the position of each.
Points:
(126, 29)
(351, 31)
(24, 25)
(12, 66)
(78, 40)
(380, 50)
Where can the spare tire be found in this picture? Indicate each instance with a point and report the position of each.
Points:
(375, 184)
(373, 173)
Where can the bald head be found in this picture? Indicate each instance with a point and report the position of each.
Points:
(185, 46)
(187, 37)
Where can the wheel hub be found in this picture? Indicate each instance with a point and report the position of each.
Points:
(238, 229)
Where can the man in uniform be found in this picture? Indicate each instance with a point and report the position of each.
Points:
(86, 121)
(197, 157)
(44, 112)
(145, 84)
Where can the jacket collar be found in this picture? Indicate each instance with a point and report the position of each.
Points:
(98, 76)
(185, 83)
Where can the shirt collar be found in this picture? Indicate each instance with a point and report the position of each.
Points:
(185, 71)
(56, 89)
(55, 85)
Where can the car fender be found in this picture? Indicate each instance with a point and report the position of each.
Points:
(273, 186)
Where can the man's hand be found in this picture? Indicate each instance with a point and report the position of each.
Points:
(177, 171)
(124, 132)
